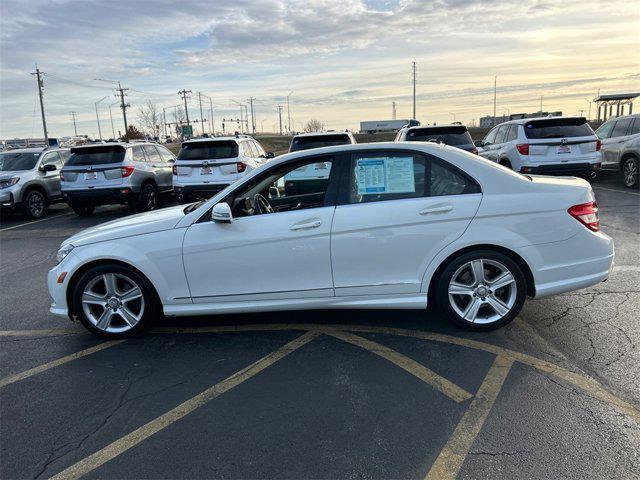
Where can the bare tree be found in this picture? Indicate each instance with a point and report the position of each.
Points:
(314, 125)
(150, 118)
(179, 118)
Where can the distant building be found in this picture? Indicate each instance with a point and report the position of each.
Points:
(377, 126)
(490, 121)
(619, 100)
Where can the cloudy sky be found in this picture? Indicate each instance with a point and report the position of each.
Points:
(344, 60)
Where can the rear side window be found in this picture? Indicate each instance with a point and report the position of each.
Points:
(512, 134)
(557, 128)
(208, 150)
(635, 128)
(455, 135)
(444, 180)
(305, 143)
(137, 154)
(152, 154)
(96, 156)
(502, 133)
(622, 127)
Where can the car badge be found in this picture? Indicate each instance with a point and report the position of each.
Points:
(205, 164)
(564, 141)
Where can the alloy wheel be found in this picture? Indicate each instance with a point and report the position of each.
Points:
(630, 173)
(113, 303)
(482, 291)
(150, 199)
(35, 203)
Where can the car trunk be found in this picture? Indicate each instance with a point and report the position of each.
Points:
(208, 162)
(560, 140)
(90, 167)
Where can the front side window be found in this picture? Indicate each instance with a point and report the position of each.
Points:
(281, 190)
(51, 158)
(379, 176)
(491, 137)
(166, 155)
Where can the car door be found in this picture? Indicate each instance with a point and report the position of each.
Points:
(488, 144)
(499, 145)
(51, 180)
(396, 211)
(263, 256)
(616, 141)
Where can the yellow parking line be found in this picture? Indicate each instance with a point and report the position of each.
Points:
(132, 439)
(55, 363)
(49, 332)
(416, 369)
(452, 456)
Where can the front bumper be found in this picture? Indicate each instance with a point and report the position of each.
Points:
(10, 197)
(572, 169)
(58, 291)
(102, 196)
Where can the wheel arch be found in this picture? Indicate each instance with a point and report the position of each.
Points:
(77, 274)
(33, 186)
(627, 155)
(526, 270)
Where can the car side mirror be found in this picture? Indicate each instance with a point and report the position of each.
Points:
(479, 143)
(221, 213)
(269, 155)
(48, 168)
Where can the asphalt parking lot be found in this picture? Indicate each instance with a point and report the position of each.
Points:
(322, 394)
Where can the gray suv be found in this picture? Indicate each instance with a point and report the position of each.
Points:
(30, 179)
(132, 174)
(621, 147)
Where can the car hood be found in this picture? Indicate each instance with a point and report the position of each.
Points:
(143, 223)
(11, 173)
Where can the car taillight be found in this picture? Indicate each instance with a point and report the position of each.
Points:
(61, 177)
(523, 148)
(241, 166)
(474, 151)
(174, 169)
(127, 171)
(586, 214)
(598, 145)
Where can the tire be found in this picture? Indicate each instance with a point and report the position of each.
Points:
(506, 163)
(105, 310)
(34, 204)
(458, 292)
(629, 169)
(83, 210)
(148, 197)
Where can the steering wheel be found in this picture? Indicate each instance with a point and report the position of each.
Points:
(262, 204)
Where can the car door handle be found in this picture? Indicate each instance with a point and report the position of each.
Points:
(436, 209)
(305, 225)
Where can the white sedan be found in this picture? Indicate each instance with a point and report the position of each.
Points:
(386, 225)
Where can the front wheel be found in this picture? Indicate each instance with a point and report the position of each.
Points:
(630, 173)
(34, 204)
(481, 290)
(113, 301)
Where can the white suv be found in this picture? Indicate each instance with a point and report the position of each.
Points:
(549, 145)
(208, 165)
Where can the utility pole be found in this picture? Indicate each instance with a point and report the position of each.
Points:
(253, 115)
(183, 93)
(540, 104)
(413, 68)
(98, 117)
(164, 121)
(279, 107)
(289, 112)
(113, 131)
(213, 131)
(38, 74)
(495, 96)
(201, 117)
(393, 110)
(73, 117)
(120, 94)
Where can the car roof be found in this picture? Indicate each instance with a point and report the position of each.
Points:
(522, 121)
(112, 144)
(633, 115)
(233, 138)
(321, 134)
(27, 150)
(427, 127)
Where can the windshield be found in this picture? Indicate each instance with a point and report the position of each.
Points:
(557, 128)
(95, 156)
(456, 135)
(305, 143)
(11, 161)
(208, 150)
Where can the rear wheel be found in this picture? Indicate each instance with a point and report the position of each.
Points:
(630, 172)
(83, 210)
(148, 197)
(114, 301)
(506, 163)
(34, 204)
(481, 290)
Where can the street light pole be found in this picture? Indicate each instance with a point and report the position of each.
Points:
(289, 112)
(113, 131)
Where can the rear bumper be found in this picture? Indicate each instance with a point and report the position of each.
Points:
(102, 196)
(576, 169)
(208, 190)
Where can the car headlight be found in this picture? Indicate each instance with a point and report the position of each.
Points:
(9, 183)
(63, 252)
